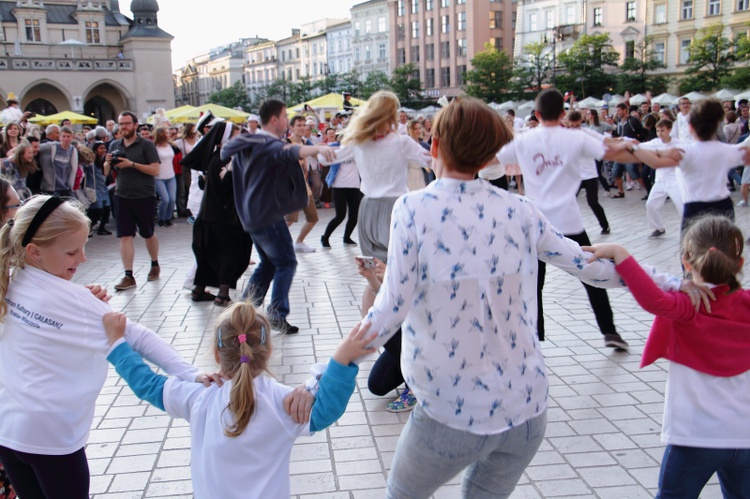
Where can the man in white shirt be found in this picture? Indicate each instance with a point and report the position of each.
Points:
(549, 157)
(12, 112)
(681, 127)
(253, 122)
(518, 123)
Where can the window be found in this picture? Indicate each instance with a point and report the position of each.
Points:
(460, 2)
(429, 4)
(381, 51)
(743, 4)
(429, 30)
(660, 14)
(496, 19)
(460, 73)
(400, 8)
(415, 54)
(368, 25)
(429, 52)
(461, 47)
(497, 43)
(381, 25)
(400, 32)
(402, 56)
(461, 21)
(550, 18)
(659, 49)
(356, 28)
(513, 20)
(445, 77)
(429, 78)
(597, 16)
(356, 54)
(687, 9)
(629, 49)
(414, 6)
(445, 3)
(445, 50)
(533, 22)
(92, 31)
(415, 75)
(33, 31)
(684, 51)
(445, 24)
(570, 14)
(630, 11)
(368, 53)
(415, 29)
(714, 7)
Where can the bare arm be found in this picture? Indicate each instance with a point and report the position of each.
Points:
(150, 169)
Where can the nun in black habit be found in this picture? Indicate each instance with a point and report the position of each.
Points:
(221, 246)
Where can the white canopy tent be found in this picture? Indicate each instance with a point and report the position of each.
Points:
(664, 99)
(638, 99)
(725, 94)
(694, 97)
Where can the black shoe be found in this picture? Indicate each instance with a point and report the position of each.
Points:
(349, 242)
(91, 234)
(167, 223)
(645, 198)
(161, 223)
(284, 327)
(614, 340)
(324, 242)
(605, 230)
(103, 232)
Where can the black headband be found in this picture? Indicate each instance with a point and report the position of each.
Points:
(45, 211)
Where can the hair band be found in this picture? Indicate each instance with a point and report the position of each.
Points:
(712, 248)
(45, 211)
(218, 337)
(10, 222)
(242, 338)
(244, 359)
(262, 334)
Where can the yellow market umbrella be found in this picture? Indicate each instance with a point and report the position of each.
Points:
(193, 115)
(172, 113)
(55, 119)
(328, 103)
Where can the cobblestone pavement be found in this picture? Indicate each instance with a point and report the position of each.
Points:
(604, 415)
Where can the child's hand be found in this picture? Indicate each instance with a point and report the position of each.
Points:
(99, 292)
(207, 379)
(354, 346)
(298, 404)
(607, 252)
(114, 325)
(698, 293)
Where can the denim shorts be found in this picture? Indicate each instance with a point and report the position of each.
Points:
(619, 169)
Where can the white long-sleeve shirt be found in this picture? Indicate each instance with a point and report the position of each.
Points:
(462, 278)
(383, 163)
(53, 362)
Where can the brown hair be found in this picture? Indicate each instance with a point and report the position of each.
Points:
(731, 116)
(705, 117)
(87, 155)
(161, 136)
(713, 246)
(469, 134)
(242, 361)
(24, 167)
(667, 114)
(574, 116)
(664, 124)
(188, 131)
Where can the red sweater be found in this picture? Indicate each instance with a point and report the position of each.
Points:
(716, 343)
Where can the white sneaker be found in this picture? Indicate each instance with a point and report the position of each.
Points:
(742, 203)
(303, 248)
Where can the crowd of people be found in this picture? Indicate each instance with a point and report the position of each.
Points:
(454, 265)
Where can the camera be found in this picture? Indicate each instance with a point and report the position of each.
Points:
(117, 156)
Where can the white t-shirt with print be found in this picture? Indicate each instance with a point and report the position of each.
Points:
(702, 172)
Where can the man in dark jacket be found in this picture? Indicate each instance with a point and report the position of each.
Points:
(630, 127)
(268, 184)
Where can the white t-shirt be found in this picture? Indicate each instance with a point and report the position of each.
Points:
(588, 165)
(706, 411)
(166, 168)
(492, 172)
(662, 174)
(549, 157)
(702, 173)
(53, 362)
(681, 129)
(254, 464)
(347, 176)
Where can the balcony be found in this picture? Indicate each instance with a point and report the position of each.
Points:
(65, 64)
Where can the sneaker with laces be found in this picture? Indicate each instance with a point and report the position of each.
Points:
(404, 403)
(614, 340)
(283, 326)
(303, 248)
(153, 274)
(126, 283)
(657, 233)
(742, 203)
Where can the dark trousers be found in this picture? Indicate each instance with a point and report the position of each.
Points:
(724, 208)
(648, 175)
(501, 182)
(344, 198)
(592, 198)
(385, 374)
(36, 476)
(602, 180)
(597, 297)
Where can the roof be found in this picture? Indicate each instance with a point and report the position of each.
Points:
(146, 32)
(363, 4)
(56, 13)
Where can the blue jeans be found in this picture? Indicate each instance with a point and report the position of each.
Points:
(685, 471)
(429, 454)
(167, 191)
(278, 264)
(618, 169)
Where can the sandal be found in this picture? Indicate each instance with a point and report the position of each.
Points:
(619, 195)
(222, 301)
(203, 296)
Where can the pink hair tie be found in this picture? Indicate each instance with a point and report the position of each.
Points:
(712, 248)
(242, 338)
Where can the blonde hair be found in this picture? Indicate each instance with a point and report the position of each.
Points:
(469, 134)
(713, 245)
(87, 155)
(242, 319)
(376, 116)
(161, 136)
(68, 218)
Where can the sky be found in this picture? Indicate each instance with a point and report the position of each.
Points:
(199, 25)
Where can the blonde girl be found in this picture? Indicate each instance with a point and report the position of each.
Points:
(241, 436)
(707, 401)
(53, 350)
(382, 157)
(166, 181)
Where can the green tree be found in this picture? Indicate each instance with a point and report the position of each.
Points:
(376, 80)
(532, 69)
(490, 77)
(712, 58)
(407, 88)
(329, 84)
(278, 89)
(586, 64)
(232, 97)
(351, 82)
(635, 73)
(301, 90)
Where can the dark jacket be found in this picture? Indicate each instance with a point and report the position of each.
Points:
(631, 128)
(268, 182)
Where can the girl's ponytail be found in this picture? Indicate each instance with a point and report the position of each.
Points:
(713, 246)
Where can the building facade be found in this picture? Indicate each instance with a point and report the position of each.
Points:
(260, 68)
(371, 37)
(339, 44)
(440, 37)
(85, 56)
(556, 22)
(623, 20)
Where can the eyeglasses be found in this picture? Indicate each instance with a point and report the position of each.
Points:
(12, 206)
(126, 123)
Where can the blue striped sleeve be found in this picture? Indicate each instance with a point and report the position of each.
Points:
(334, 391)
(145, 383)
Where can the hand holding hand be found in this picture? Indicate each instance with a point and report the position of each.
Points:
(327, 152)
(298, 404)
(698, 293)
(208, 378)
(114, 325)
(674, 153)
(607, 252)
(355, 345)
